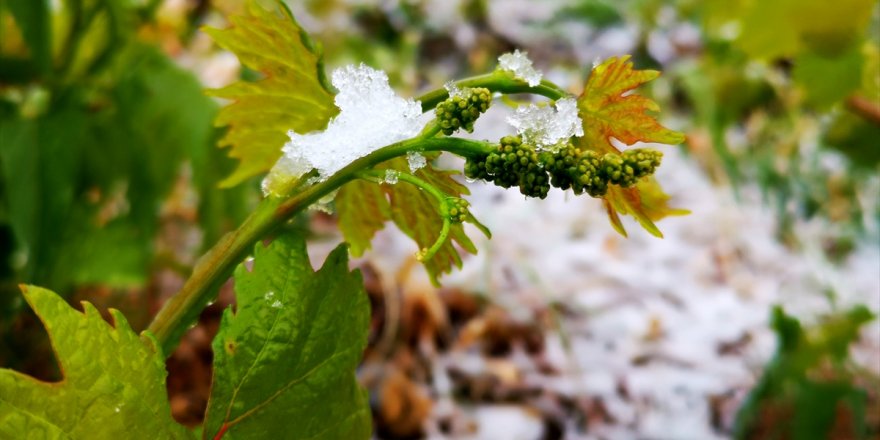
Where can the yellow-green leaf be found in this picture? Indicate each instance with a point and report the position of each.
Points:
(113, 387)
(783, 28)
(292, 94)
(610, 109)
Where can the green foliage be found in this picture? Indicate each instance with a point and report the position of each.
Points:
(461, 111)
(113, 387)
(828, 79)
(292, 95)
(810, 375)
(32, 18)
(788, 69)
(284, 360)
(104, 163)
(778, 28)
(98, 138)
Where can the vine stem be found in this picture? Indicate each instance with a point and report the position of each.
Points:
(497, 81)
(214, 268)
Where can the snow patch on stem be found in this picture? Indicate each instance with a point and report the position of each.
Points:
(546, 127)
(521, 66)
(371, 116)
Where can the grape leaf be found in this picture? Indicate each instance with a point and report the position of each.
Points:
(646, 202)
(291, 96)
(609, 109)
(364, 208)
(113, 383)
(284, 361)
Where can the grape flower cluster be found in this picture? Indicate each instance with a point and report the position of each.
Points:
(462, 109)
(514, 163)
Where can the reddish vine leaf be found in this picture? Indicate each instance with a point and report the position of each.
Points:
(113, 386)
(291, 96)
(610, 109)
(364, 207)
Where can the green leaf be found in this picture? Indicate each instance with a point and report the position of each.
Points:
(364, 208)
(609, 110)
(284, 362)
(104, 163)
(291, 96)
(646, 202)
(827, 80)
(113, 384)
(809, 377)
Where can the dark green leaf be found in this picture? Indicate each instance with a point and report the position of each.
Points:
(284, 361)
(32, 17)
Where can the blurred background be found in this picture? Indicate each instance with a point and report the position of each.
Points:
(751, 318)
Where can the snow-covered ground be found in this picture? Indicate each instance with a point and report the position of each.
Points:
(651, 316)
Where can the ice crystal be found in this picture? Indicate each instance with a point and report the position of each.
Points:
(544, 126)
(371, 116)
(453, 89)
(391, 176)
(415, 161)
(520, 65)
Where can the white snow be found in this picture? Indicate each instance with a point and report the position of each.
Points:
(453, 89)
(391, 177)
(650, 315)
(521, 66)
(371, 116)
(545, 127)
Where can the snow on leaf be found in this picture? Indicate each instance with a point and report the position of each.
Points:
(371, 116)
(113, 386)
(364, 208)
(609, 109)
(291, 94)
(284, 364)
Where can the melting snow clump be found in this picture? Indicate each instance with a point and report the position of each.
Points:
(391, 176)
(453, 89)
(545, 127)
(371, 116)
(520, 65)
(415, 161)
